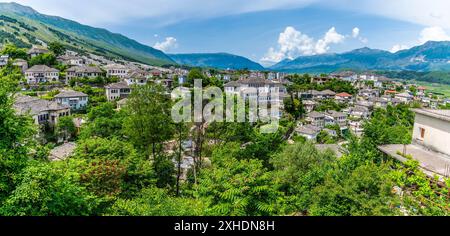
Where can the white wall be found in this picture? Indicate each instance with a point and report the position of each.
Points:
(437, 133)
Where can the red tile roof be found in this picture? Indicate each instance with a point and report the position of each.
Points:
(343, 95)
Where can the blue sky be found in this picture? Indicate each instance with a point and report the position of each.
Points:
(265, 31)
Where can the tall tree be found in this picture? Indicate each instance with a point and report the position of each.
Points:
(148, 122)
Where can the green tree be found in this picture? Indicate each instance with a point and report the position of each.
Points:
(14, 52)
(365, 191)
(49, 190)
(113, 167)
(104, 122)
(65, 128)
(148, 122)
(57, 48)
(48, 59)
(157, 202)
(196, 73)
(16, 132)
(299, 168)
(237, 187)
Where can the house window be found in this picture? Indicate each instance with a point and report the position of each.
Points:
(422, 133)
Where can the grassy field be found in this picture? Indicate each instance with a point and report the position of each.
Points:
(436, 88)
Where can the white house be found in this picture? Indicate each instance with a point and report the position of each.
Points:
(260, 89)
(316, 119)
(71, 60)
(42, 111)
(41, 73)
(116, 70)
(76, 100)
(432, 130)
(4, 60)
(137, 77)
(83, 72)
(118, 90)
(404, 97)
(310, 132)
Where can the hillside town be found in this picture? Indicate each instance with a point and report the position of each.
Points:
(83, 104)
(49, 93)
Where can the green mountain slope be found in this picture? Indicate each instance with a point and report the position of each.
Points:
(216, 60)
(24, 26)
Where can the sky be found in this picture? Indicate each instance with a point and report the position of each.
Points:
(266, 31)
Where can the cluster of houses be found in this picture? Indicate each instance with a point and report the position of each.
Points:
(373, 92)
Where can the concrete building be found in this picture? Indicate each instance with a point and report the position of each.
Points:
(432, 130)
(76, 100)
(430, 144)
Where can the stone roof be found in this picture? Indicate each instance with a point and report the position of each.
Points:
(405, 95)
(41, 68)
(115, 67)
(62, 152)
(122, 102)
(256, 81)
(70, 94)
(37, 50)
(34, 106)
(438, 114)
(69, 57)
(308, 129)
(328, 92)
(360, 109)
(84, 69)
(336, 114)
(315, 114)
(119, 85)
(232, 84)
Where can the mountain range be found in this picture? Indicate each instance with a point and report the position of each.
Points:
(216, 60)
(431, 56)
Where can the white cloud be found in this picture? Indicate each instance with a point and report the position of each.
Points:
(331, 37)
(398, 47)
(355, 32)
(168, 44)
(293, 43)
(422, 12)
(434, 33)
